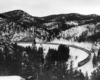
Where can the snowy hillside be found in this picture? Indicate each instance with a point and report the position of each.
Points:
(76, 54)
(73, 33)
(82, 31)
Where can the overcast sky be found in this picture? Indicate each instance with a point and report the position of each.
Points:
(48, 7)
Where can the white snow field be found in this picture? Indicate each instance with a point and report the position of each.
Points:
(11, 78)
(73, 52)
(25, 44)
(81, 55)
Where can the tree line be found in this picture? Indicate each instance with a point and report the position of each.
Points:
(30, 63)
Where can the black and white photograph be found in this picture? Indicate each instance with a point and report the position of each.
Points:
(49, 39)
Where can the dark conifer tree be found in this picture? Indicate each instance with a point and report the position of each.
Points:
(63, 53)
(76, 74)
(81, 75)
(71, 72)
(98, 56)
(94, 61)
(1, 57)
(95, 75)
(40, 54)
(86, 76)
(51, 56)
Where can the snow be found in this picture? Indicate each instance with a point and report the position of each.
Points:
(11, 78)
(72, 23)
(73, 52)
(25, 44)
(80, 54)
(74, 32)
(85, 45)
(87, 67)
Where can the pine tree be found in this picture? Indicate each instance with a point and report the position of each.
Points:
(98, 56)
(63, 53)
(40, 54)
(81, 75)
(71, 72)
(56, 72)
(76, 74)
(86, 76)
(94, 75)
(94, 61)
(1, 57)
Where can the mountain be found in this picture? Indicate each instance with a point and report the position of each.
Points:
(18, 25)
(76, 29)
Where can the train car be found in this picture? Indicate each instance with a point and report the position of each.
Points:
(81, 63)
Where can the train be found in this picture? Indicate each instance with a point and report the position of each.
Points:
(81, 63)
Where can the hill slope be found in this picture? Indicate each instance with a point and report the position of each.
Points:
(19, 25)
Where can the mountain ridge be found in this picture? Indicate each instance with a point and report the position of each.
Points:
(18, 11)
(19, 23)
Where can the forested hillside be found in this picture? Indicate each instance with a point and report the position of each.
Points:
(29, 62)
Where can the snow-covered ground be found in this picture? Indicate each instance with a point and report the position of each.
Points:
(85, 45)
(77, 56)
(81, 55)
(87, 67)
(11, 78)
(25, 44)
(73, 52)
(74, 32)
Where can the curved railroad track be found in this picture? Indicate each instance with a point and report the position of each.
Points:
(81, 63)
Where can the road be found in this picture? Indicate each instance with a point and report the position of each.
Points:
(81, 63)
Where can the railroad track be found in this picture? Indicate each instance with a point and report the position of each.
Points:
(81, 63)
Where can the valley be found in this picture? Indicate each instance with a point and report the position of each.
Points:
(75, 51)
(79, 33)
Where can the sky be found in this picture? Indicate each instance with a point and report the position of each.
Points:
(48, 7)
